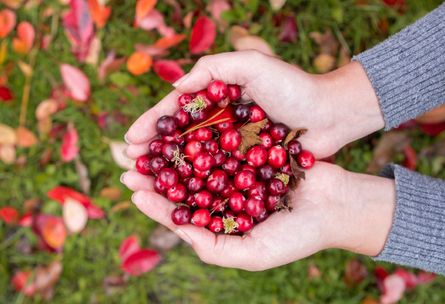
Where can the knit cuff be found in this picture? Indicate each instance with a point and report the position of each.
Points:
(417, 236)
(407, 70)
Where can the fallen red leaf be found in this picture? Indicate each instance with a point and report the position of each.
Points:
(216, 8)
(168, 70)
(169, 41)
(7, 22)
(25, 38)
(410, 157)
(21, 281)
(5, 94)
(70, 144)
(139, 63)
(129, 246)
(141, 261)
(110, 64)
(26, 220)
(289, 30)
(99, 13)
(432, 129)
(76, 82)
(203, 35)
(408, 277)
(394, 288)
(143, 7)
(53, 232)
(9, 215)
(425, 277)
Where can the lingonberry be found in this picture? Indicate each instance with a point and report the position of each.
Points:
(256, 113)
(157, 164)
(239, 155)
(192, 149)
(254, 207)
(262, 217)
(220, 158)
(174, 138)
(231, 165)
(216, 91)
(277, 156)
(185, 170)
(244, 221)
(217, 181)
(201, 217)
(189, 137)
(229, 214)
(248, 168)
(266, 172)
(211, 146)
(208, 103)
(177, 193)
(305, 159)
(185, 99)
(233, 92)
(169, 150)
(244, 179)
(286, 169)
(258, 191)
(155, 147)
(190, 200)
(182, 118)
(236, 202)
(198, 116)
(278, 131)
(224, 103)
(143, 164)
(216, 224)
(224, 126)
(218, 205)
(203, 161)
(201, 174)
(195, 184)
(181, 215)
(266, 139)
(159, 187)
(230, 140)
(168, 177)
(203, 199)
(227, 191)
(294, 147)
(256, 156)
(272, 202)
(276, 187)
(166, 125)
(203, 134)
(241, 112)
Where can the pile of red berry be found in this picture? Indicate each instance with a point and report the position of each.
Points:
(223, 162)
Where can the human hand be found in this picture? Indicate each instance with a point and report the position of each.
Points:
(332, 208)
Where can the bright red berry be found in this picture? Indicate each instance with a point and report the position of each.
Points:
(233, 92)
(174, 138)
(294, 147)
(143, 164)
(159, 187)
(203, 161)
(220, 158)
(254, 207)
(244, 221)
(236, 202)
(216, 224)
(216, 91)
(218, 205)
(258, 191)
(195, 184)
(157, 164)
(177, 193)
(266, 139)
(278, 131)
(168, 177)
(155, 147)
(224, 126)
(181, 215)
(256, 156)
(211, 146)
(231, 165)
(277, 157)
(201, 217)
(239, 155)
(256, 113)
(192, 149)
(201, 174)
(184, 99)
(305, 159)
(228, 190)
(217, 181)
(272, 202)
(203, 199)
(182, 118)
(244, 179)
(276, 187)
(185, 170)
(203, 134)
(230, 140)
(166, 125)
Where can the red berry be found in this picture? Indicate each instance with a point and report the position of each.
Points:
(181, 215)
(224, 103)
(189, 137)
(182, 118)
(254, 207)
(236, 202)
(258, 191)
(159, 187)
(229, 213)
(224, 126)
(202, 174)
(266, 139)
(241, 112)
(228, 190)
(230, 140)
(201, 217)
(272, 202)
(190, 200)
(192, 149)
(233, 92)
(278, 131)
(276, 187)
(220, 158)
(174, 138)
(198, 116)
(256, 113)
(231, 165)
(209, 104)
(166, 125)
(211, 146)
(157, 164)
(217, 181)
(203, 134)
(256, 156)
(203, 199)
(216, 91)
(216, 224)
(266, 172)
(262, 217)
(305, 159)
(286, 169)
(184, 99)
(294, 147)
(277, 157)
(218, 205)
(168, 177)
(177, 193)
(244, 221)
(203, 161)
(169, 149)
(248, 168)
(244, 179)
(143, 164)
(155, 147)
(185, 170)
(195, 184)
(239, 155)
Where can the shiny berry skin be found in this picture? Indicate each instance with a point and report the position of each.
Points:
(168, 177)
(195, 184)
(236, 202)
(256, 156)
(265, 172)
(241, 112)
(201, 218)
(272, 202)
(276, 187)
(157, 164)
(174, 138)
(229, 213)
(181, 215)
(177, 193)
(155, 147)
(258, 191)
(216, 224)
(278, 131)
(203, 161)
(256, 113)
(220, 158)
(201, 174)
(217, 181)
(266, 139)
(224, 103)
(189, 137)
(203, 199)
(294, 147)
(182, 118)
(169, 149)
(230, 140)
(262, 217)
(218, 205)
(185, 170)
(184, 99)
(166, 125)
(203, 134)
(248, 168)
(244, 179)
(159, 187)
(216, 91)
(190, 200)
(239, 155)
(254, 207)
(211, 146)
(286, 169)
(228, 190)
(233, 92)
(192, 149)
(143, 165)
(244, 221)
(277, 157)
(203, 94)
(198, 116)
(231, 165)
(224, 126)
(305, 159)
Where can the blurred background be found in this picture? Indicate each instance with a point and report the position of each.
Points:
(75, 74)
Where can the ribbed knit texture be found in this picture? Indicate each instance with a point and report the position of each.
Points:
(407, 70)
(417, 236)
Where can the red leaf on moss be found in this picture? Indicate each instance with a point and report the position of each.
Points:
(9, 215)
(7, 22)
(99, 13)
(203, 35)
(289, 30)
(129, 246)
(394, 289)
(76, 82)
(26, 220)
(168, 70)
(25, 38)
(141, 262)
(5, 94)
(410, 157)
(432, 129)
(70, 144)
(53, 232)
(21, 281)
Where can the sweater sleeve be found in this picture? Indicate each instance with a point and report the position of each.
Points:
(407, 70)
(417, 235)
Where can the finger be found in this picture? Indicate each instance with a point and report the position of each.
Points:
(136, 181)
(223, 250)
(135, 150)
(232, 67)
(144, 127)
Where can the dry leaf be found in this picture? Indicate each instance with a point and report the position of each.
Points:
(327, 42)
(389, 144)
(47, 277)
(75, 215)
(324, 63)
(7, 135)
(46, 108)
(252, 42)
(82, 172)
(25, 68)
(25, 138)
(119, 156)
(296, 172)
(294, 134)
(112, 193)
(355, 273)
(94, 51)
(121, 206)
(277, 4)
(249, 135)
(163, 239)
(7, 154)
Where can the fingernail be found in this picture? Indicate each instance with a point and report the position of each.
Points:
(126, 139)
(184, 236)
(180, 80)
(122, 177)
(134, 198)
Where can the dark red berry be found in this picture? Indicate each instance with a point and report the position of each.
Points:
(184, 99)
(254, 207)
(272, 202)
(266, 172)
(248, 168)
(192, 149)
(258, 191)
(203, 134)
(203, 199)
(174, 138)
(244, 179)
(190, 200)
(203, 161)
(155, 147)
(294, 147)
(305, 159)
(217, 181)
(211, 146)
(201, 217)
(262, 217)
(230, 140)
(233, 92)
(168, 177)
(195, 184)
(169, 149)
(218, 205)
(177, 193)
(201, 174)
(224, 126)
(256, 113)
(241, 112)
(286, 169)
(229, 213)
(277, 157)
(143, 165)
(244, 221)
(189, 137)
(216, 91)
(266, 139)
(256, 156)
(239, 155)
(181, 215)
(157, 164)
(166, 125)
(185, 170)
(236, 202)
(231, 165)
(276, 187)
(278, 131)
(220, 158)
(228, 190)
(159, 187)
(198, 116)
(216, 224)
(182, 118)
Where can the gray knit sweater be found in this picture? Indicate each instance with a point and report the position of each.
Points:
(407, 72)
